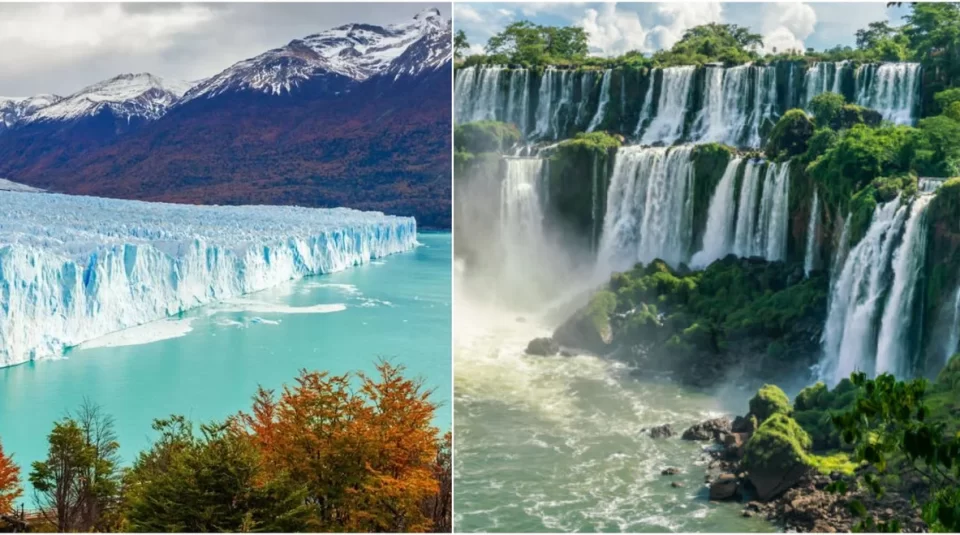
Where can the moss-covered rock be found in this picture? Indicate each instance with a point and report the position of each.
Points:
(578, 174)
(768, 401)
(590, 328)
(776, 456)
(485, 136)
(790, 136)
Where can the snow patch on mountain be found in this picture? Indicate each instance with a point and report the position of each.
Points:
(128, 96)
(13, 110)
(354, 51)
(73, 268)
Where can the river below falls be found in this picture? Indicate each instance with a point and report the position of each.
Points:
(556, 443)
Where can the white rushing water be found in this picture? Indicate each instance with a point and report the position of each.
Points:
(672, 106)
(850, 333)
(718, 235)
(889, 88)
(89, 266)
(762, 218)
(810, 255)
(736, 102)
(521, 219)
(649, 207)
(604, 101)
(894, 352)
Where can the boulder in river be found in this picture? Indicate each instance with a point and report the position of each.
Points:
(546, 347)
(589, 328)
(661, 431)
(776, 456)
(724, 487)
(708, 430)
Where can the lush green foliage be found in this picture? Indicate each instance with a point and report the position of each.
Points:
(528, 43)
(769, 400)
(460, 44)
(215, 482)
(485, 136)
(726, 43)
(790, 136)
(891, 428)
(78, 484)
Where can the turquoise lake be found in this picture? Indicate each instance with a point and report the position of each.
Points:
(208, 363)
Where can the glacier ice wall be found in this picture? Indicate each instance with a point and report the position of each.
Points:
(75, 268)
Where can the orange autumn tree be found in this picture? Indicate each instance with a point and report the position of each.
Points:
(366, 456)
(9, 482)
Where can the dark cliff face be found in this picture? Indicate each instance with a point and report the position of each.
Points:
(382, 144)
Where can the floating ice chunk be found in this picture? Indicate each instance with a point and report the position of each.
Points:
(74, 268)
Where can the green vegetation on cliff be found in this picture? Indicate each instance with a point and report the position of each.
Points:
(485, 136)
(764, 316)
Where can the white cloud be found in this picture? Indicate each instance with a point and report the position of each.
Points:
(681, 17)
(786, 25)
(506, 12)
(610, 32)
(464, 13)
(613, 31)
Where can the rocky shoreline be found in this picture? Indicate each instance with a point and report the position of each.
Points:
(801, 503)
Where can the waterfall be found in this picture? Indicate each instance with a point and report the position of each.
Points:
(517, 99)
(762, 220)
(724, 114)
(586, 83)
(809, 257)
(718, 235)
(604, 100)
(816, 80)
(647, 108)
(850, 333)
(521, 218)
(764, 103)
(894, 353)
(672, 106)
(889, 88)
(649, 207)
(953, 331)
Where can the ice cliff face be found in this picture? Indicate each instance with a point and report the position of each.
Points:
(75, 268)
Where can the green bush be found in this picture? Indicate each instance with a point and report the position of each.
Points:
(790, 136)
(485, 136)
(768, 401)
(826, 108)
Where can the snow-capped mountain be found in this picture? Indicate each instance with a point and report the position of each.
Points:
(14, 110)
(127, 96)
(302, 124)
(355, 52)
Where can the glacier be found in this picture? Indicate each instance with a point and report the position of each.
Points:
(75, 268)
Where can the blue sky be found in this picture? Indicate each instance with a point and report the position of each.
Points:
(615, 28)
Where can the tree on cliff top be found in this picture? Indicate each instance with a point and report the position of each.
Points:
(526, 42)
(727, 43)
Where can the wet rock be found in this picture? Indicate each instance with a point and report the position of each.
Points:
(589, 328)
(521, 319)
(733, 444)
(724, 488)
(708, 430)
(676, 484)
(565, 353)
(744, 424)
(670, 471)
(546, 347)
(661, 431)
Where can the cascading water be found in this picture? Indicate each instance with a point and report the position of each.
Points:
(809, 257)
(736, 102)
(761, 228)
(894, 347)
(889, 88)
(604, 101)
(649, 207)
(850, 333)
(672, 107)
(718, 235)
(646, 110)
(521, 219)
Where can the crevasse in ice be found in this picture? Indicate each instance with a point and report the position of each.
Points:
(75, 268)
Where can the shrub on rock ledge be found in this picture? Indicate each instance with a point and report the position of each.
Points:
(770, 400)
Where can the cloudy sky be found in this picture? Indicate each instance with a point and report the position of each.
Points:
(615, 28)
(61, 48)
